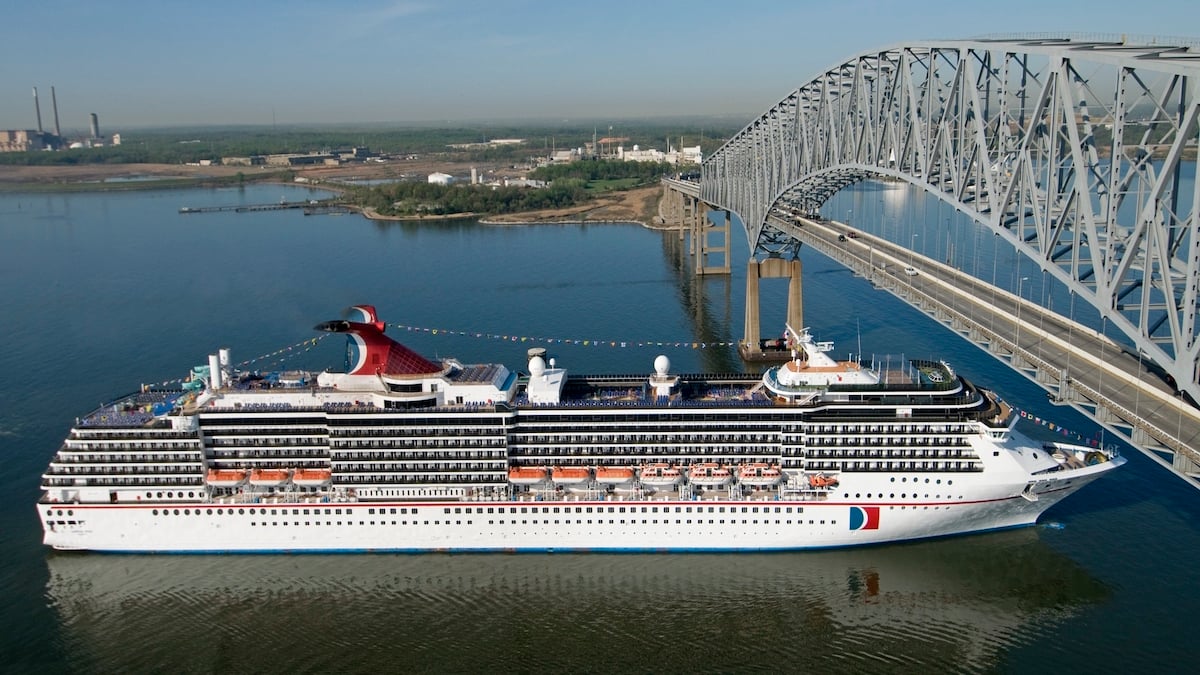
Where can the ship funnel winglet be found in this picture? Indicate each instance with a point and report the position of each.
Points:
(365, 314)
(369, 351)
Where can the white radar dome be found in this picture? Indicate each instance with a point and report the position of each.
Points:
(537, 366)
(662, 365)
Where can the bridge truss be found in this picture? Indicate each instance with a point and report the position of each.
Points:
(1080, 153)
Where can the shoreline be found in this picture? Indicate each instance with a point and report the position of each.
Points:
(639, 206)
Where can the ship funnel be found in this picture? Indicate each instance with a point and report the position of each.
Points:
(214, 373)
(223, 355)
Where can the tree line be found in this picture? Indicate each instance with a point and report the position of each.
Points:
(416, 198)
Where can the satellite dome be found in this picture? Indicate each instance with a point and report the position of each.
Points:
(662, 365)
(537, 366)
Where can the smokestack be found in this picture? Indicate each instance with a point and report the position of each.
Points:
(95, 125)
(37, 109)
(54, 102)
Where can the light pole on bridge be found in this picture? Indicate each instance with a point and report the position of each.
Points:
(1020, 301)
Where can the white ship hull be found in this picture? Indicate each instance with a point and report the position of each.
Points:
(621, 525)
(403, 454)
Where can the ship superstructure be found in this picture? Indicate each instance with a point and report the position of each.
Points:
(402, 453)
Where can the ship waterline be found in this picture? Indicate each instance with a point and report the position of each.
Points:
(401, 453)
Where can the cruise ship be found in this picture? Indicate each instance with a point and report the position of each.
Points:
(398, 452)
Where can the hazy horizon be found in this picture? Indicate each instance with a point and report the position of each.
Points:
(140, 64)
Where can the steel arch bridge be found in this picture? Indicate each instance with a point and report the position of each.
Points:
(1079, 152)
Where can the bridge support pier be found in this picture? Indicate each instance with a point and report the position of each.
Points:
(750, 347)
(703, 248)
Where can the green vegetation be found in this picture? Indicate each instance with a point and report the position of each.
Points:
(182, 145)
(603, 170)
(408, 199)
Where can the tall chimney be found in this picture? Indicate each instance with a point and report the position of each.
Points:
(54, 102)
(37, 109)
(95, 125)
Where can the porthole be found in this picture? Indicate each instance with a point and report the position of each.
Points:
(240, 512)
(187, 512)
(70, 512)
(176, 511)
(149, 495)
(160, 495)
(154, 512)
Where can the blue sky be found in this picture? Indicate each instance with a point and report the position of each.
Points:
(168, 63)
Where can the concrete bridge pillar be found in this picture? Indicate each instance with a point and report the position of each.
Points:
(703, 248)
(750, 348)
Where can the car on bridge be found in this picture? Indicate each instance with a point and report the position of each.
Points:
(910, 271)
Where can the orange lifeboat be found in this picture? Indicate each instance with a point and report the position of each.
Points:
(311, 477)
(269, 477)
(660, 475)
(526, 475)
(759, 474)
(570, 475)
(821, 481)
(709, 474)
(614, 475)
(226, 477)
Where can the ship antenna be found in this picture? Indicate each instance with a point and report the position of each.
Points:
(858, 329)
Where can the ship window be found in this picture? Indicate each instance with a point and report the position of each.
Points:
(209, 511)
(154, 512)
(446, 510)
(240, 512)
(176, 511)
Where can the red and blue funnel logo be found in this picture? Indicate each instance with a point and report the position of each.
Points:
(864, 517)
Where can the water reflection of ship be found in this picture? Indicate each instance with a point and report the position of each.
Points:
(950, 605)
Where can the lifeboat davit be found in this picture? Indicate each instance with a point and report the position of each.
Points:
(570, 475)
(526, 475)
(759, 474)
(311, 477)
(709, 474)
(269, 477)
(225, 478)
(660, 475)
(614, 475)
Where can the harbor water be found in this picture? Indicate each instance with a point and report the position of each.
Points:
(104, 292)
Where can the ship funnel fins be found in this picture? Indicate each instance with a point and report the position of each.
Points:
(365, 314)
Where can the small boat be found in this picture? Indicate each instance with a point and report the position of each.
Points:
(226, 477)
(570, 475)
(759, 474)
(821, 481)
(269, 477)
(526, 475)
(614, 475)
(709, 474)
(311, 477)
(660, 475)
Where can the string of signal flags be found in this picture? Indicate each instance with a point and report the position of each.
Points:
(583, 342)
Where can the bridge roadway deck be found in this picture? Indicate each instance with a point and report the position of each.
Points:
(1108, 383)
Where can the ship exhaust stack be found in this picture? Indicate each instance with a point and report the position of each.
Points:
(226, 369)
(214, 373)
(37, 109)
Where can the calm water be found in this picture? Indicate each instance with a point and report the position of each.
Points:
(104, 292)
